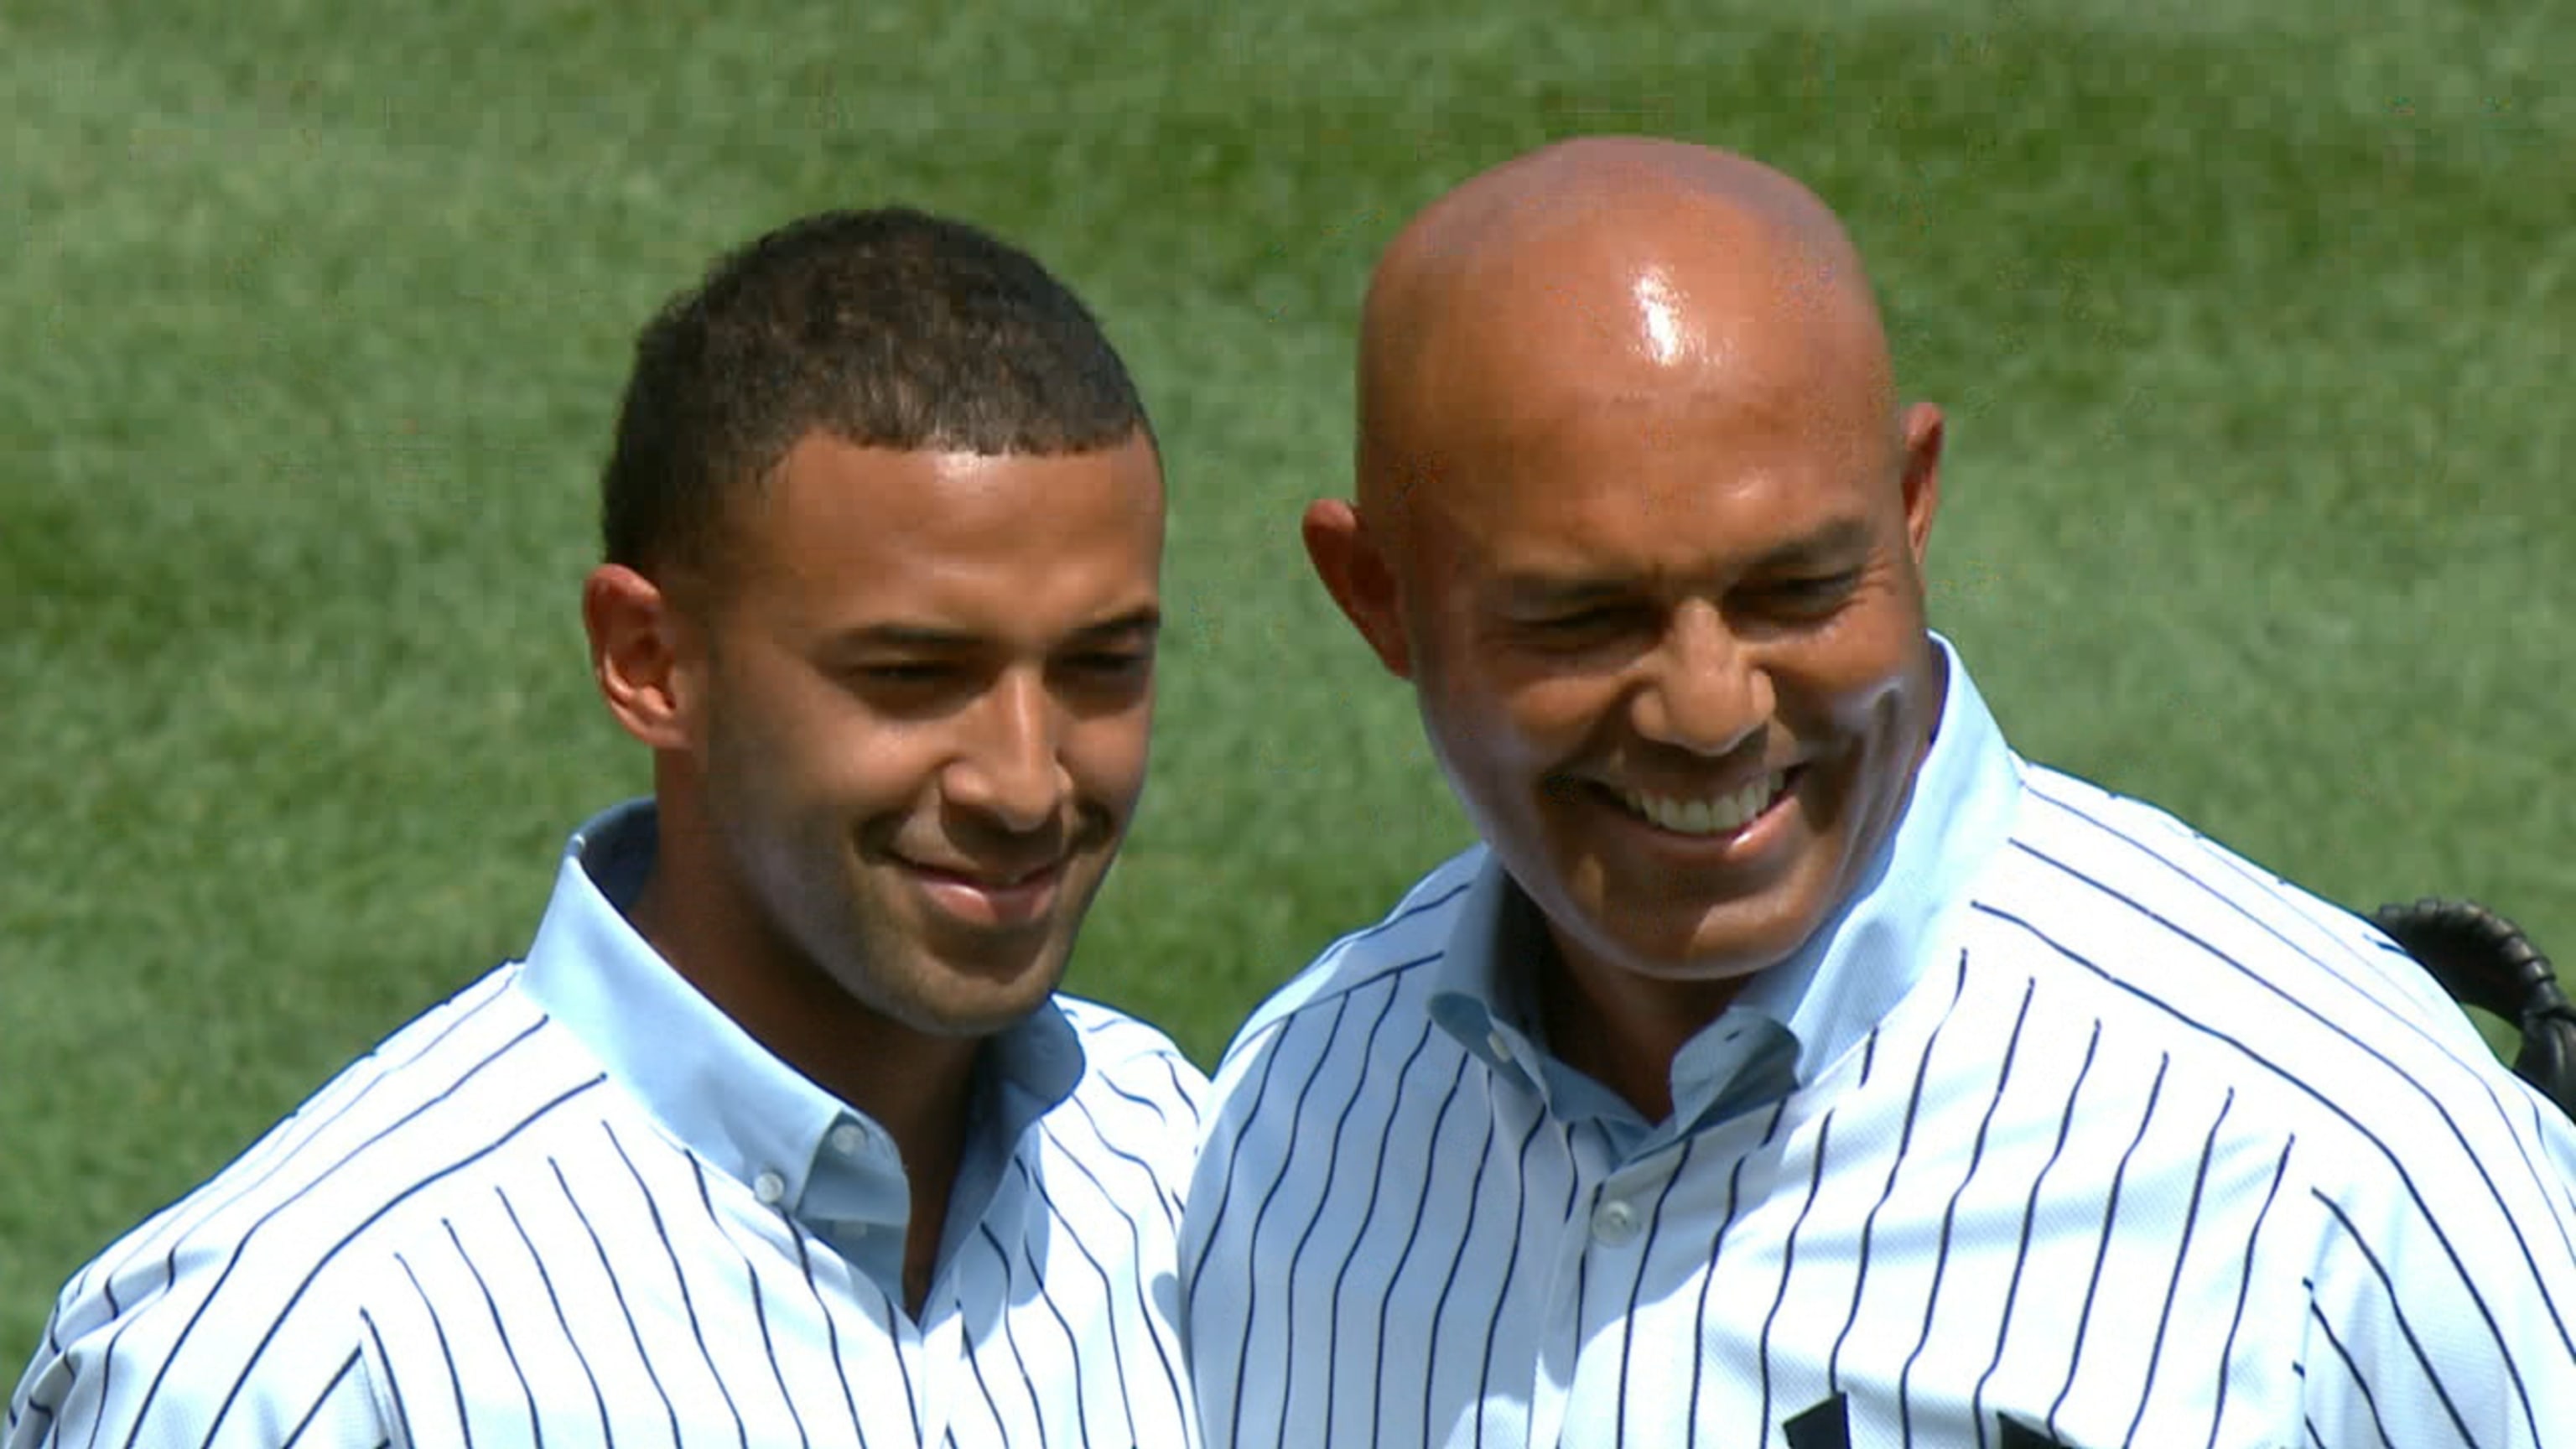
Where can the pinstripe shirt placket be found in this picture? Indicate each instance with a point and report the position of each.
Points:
(1623, 1170)
(1615, 1167)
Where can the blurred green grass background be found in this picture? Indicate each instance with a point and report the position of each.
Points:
(2252, 319)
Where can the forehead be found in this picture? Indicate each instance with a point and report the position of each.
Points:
(1689, 386)
(844, 534)
(1624, 488)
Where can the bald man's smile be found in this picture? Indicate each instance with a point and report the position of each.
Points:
(1728, 819)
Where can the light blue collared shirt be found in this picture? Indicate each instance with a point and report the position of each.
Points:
(738, 1107)
(1792, 1020)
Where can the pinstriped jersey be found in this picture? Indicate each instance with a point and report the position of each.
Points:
(2137, 1145)
(481, 1234)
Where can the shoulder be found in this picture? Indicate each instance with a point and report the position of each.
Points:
(1136, 1107)
(2438, 1263)
(2124, 886)
(1128, 1059)
(247, 1290)
(1411, 935)
(2410, 1180)
(1360, 1017)
(167, 1373)
(2319, 1021)
(260, 1273)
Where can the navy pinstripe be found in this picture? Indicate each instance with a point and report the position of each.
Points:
(500, 1332)
(759, 1309)
(455, 1380)
(1949, 1221)
(617, 1287)
(563, 1322)
(1457, 1260)
(2182, 1251)
(1368, 1212)
(347, 1366)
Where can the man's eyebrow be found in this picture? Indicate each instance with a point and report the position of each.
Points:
(911, 637)
(1832, 543)
(1563, 591)
(1826, 544)
(1144, 619)
(925, 638)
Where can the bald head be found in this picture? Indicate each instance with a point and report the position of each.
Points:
(1610, 271)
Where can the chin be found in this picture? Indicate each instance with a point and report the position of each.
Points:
(968, 1002)
(1723, 940)
(966, 1014)
(974, 1025)
(1705, 961)
(944, 994)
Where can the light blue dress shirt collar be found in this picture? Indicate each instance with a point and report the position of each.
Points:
(1794, 1019)
(738, 1107)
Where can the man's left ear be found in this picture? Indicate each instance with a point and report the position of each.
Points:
(1922, 475)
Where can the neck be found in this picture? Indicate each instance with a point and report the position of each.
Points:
(915, 1085)
(1623, 1030)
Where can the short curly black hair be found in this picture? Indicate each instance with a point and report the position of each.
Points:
(887, 328)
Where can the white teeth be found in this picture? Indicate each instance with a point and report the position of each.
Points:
(1720, 816)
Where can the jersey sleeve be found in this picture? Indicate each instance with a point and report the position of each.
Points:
(157, 1376)
(2439, 1308)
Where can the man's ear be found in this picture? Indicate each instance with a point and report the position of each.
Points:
(639, 655)
(1357, 574)
(1922, 476)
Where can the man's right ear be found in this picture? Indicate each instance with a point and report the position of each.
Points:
(1356, 573)
(638, 655)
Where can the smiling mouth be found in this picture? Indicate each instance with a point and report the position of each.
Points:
(1005, 901)
(1709, 815)
(992, 880)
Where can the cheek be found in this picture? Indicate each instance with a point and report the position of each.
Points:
(1504, 722)
(1850, 680)
(1107, 756)
(1552, 716)
(1817, 699)
(823, 755)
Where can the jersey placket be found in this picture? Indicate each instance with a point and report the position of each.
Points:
(1623, 1178)
(1600, 1254)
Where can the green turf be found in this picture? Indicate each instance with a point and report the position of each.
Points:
(2250, 318)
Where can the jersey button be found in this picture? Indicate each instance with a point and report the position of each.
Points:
(769, 1187)
(1614, 1223)
(847, 1139)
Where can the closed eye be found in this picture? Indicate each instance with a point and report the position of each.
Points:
(1593, 618)
(1111, 668)
(1809, 592)
(907, 671)
(1113, 663)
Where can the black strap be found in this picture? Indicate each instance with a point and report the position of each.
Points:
(2485, 961)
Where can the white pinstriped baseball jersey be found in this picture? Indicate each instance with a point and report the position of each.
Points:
(2074, 1129)
(576, 1205)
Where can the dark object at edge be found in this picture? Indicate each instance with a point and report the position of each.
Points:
(2485, 961)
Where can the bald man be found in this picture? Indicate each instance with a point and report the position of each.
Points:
(1791, 1063)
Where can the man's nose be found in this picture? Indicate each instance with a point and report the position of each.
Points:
(1010, 767)
(1704, 691)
